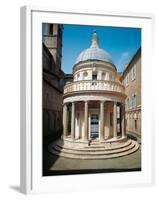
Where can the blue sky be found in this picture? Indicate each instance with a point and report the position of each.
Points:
(120, 43)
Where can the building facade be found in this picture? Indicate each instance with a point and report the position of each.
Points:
(53, 78)
(131, 79)
(94, 110)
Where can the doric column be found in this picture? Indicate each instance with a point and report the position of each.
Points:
(85, 120)
(101, 136)
(115, 120)
(73, 121)
(65, 120)
(123, 120)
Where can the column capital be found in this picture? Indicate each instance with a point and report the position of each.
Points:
(66, 103)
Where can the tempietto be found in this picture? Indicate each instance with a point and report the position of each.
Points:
(94, 110)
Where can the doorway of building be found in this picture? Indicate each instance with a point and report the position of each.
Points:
(94, 126)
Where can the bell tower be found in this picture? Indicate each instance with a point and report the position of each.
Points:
(52, 39)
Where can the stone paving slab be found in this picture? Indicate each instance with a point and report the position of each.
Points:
(131, 161)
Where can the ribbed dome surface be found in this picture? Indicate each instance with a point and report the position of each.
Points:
(94, 52)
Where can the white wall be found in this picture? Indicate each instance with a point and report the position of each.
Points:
(9, 101)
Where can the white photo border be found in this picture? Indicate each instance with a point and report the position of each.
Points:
(32, 180)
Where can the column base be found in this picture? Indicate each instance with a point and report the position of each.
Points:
(115, 138)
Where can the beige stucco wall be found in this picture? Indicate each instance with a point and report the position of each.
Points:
(133, 87)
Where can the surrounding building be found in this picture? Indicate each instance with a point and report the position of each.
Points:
(53, 80)
(68, 78)
(132, 80)
(94, 109)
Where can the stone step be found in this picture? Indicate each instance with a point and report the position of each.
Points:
(93, 142)
(84, 152)
(101, 147)
(110, 147)
(93, 156)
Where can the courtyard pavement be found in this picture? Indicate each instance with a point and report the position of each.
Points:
(55, 165)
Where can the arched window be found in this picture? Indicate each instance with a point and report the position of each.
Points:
(94, 76)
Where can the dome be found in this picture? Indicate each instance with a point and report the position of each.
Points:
(94, 53)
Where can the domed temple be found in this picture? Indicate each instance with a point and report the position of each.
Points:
(93, 109)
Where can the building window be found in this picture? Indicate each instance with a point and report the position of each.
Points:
(94, 76)
(51, 29)
(130, 102)
(127, 80)
(133, 73)
(127, 103)
(133, 101)
(135, 123)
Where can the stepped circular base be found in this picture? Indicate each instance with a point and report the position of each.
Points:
(78, 149)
